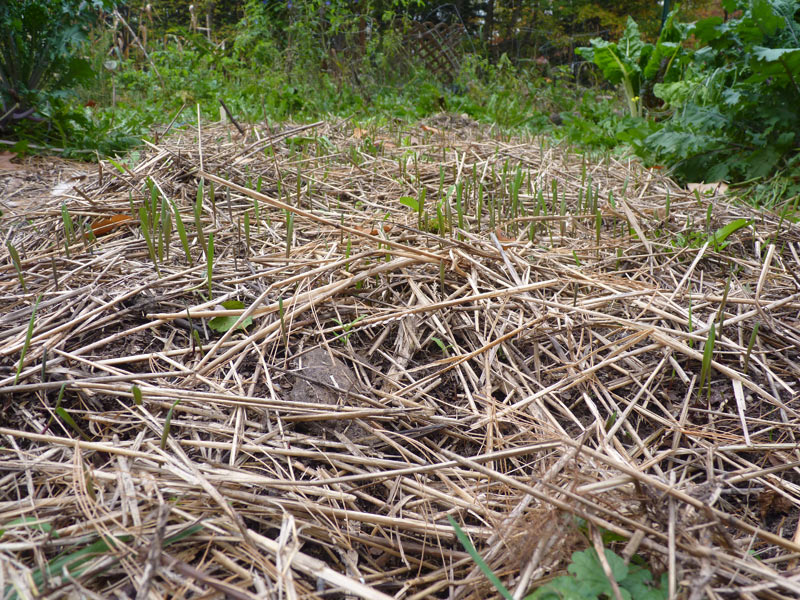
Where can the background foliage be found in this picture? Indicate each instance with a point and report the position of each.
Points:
(712, 100)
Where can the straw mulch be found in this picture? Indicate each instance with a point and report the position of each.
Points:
(538, 378)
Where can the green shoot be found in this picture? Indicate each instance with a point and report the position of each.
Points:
(226, 323)
(752, 341)
(28, 336)
(708, 353)
(257, 207)
(720, 235)
(344, 337)
(137, 394)
(182, 232)
(17, 264)
(168, 423)
(210, 264)
(66, 417)
(289, 231)
(410, 202)
(442, 346)
(479, 209)
(69, 228)
(145, 229)
(247, 230)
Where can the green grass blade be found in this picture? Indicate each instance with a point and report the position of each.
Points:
(17, 264)
(27, 343)
(708, 353)
(145, 229)
(181, 232)
(168, 423)
(210, 264)
(462, 537)
(752, 341)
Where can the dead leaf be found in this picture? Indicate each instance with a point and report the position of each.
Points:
(430, 129)
(709, 189)
(771, 504)
(6, 164)
(374, 230)
(502, 237)
(106, 225)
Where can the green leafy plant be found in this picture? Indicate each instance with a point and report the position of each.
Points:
(442, 346)
(38, 52)
(588, 581)
(27, 343)
(74, 563)
(344, 337)
(734, 109)
(225, 323)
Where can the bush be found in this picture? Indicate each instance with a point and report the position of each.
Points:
(736, 108)
(38, 52)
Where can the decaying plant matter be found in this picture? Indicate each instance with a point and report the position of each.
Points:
(535, 374)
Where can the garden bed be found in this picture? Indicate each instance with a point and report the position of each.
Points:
(525, 347)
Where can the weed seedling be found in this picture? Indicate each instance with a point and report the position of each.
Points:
(289, 231)
(69, 228)
(344, 337)
(66, 417)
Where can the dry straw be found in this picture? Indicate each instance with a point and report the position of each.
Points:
(537, 379)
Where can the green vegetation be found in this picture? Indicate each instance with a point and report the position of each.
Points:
(587, 580)
(713, 100)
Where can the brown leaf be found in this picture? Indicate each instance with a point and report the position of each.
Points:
(105, 225)
(771, 504)
(6, 164)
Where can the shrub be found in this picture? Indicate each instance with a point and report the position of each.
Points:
(38, 48)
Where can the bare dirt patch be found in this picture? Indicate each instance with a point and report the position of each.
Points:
(524, 354)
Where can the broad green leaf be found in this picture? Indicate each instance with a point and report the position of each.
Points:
(410, 202)
(782, 65)
(223, 324)
(721, 234)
